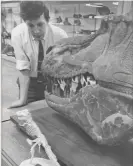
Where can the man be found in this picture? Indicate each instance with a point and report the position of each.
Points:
(31, 40)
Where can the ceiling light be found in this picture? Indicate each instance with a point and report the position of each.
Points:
(115, 3)
(98, 3)
(93, 5)
(100, 17)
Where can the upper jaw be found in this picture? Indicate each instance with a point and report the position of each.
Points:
(64, 59)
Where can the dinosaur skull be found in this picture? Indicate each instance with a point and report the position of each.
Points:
(94, 87)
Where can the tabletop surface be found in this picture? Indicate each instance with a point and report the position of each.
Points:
(73, 147)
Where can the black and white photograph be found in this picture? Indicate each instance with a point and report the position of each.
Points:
(66, 83)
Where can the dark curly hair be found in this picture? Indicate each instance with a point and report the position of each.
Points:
(30, 10)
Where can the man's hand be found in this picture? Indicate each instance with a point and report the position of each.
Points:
(17, 103)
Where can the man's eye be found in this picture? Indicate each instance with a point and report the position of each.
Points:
(31, 25)
(40, 24)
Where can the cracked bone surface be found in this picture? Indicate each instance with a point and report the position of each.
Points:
(97, 83)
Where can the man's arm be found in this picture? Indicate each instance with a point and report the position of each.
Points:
(24, 80)
(23, 66)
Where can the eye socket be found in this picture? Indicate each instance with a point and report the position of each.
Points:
(40, 24)
(30, 25)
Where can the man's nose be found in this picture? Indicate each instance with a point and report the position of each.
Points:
(36, 30)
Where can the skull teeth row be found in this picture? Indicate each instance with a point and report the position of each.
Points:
(69, 87)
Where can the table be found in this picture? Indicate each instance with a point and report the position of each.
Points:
(75, 148)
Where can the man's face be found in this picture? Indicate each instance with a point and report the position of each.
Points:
(37, 27)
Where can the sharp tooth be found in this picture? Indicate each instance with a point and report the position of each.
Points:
(92, 82)
(83, 81)
(59, 81)
(73, 88)
(56, 87)
(62, 85)
(76, 79)
(88, 79)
